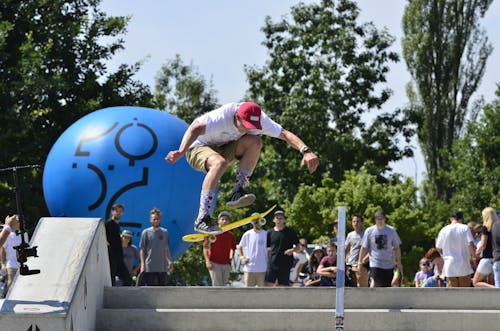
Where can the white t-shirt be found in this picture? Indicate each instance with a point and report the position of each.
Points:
(254, 245)
(220, 128)
(10, 253)
(454, 240)
(299, 258)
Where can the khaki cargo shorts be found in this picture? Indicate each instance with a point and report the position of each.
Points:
(197, 156)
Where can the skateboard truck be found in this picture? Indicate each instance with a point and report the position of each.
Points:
(23, 251)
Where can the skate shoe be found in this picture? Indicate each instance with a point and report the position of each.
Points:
(240, 199)
(206, 225)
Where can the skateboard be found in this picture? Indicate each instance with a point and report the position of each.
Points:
(195, 237)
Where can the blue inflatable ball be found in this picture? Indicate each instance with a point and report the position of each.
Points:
(116, 155)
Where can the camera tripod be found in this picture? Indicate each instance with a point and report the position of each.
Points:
(23, 251)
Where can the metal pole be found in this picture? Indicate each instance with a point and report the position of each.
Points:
(340, 282)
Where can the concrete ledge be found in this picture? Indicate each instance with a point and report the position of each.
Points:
(301, 298)
(295, 319)
(74, 265)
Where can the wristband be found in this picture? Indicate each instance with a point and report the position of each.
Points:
(8, 227)
(360, 263)
(242, 257)
(304, 150)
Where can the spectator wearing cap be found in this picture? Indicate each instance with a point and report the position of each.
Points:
(155, 255)
(280, 242)
(253, 254)
(130, 253)
(116, 265)
(359, 273)
(225, 135)
(456, 246)
(382, 243)
(219, 254)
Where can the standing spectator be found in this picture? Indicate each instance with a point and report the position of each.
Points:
(437, 261)
(455, 244)
(11, 222)
(300, 259)
(314, 279)
(382, 242)
(130, 253)
(254, 243)
(353, 240)
(485, 250)
(334, 239)
(280, 241)
(116, 264)
(495, 239)
(155, 252)
(9, 254)
(328, 266)
(218, 255)
(424, 273)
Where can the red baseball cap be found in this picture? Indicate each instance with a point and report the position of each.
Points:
(250, 113)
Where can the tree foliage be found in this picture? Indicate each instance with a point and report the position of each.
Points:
(52, 72)
(325, 74)
(445, 51)
(182, 91)
(474, 172)
(312, 211)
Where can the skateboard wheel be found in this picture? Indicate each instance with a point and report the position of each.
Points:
(262, 221)
(212, 238)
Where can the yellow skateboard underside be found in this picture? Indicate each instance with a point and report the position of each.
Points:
(195, 237)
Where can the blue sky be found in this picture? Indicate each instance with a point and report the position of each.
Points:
(221, 36)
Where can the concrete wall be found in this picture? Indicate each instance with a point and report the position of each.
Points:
(73, 260)
(300, 309)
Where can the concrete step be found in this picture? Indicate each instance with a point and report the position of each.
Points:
(295, 319)
(259, 309)
(300, 298)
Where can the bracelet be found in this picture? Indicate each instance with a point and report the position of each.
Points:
(242, 257)
(304, 150)
(360, 263)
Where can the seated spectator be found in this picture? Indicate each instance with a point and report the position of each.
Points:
(313, 278)
(300, 259)
(327, 268)
(424, 273)
(437, 263)
(475, 229)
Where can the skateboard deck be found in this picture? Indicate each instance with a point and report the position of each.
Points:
(195, 237)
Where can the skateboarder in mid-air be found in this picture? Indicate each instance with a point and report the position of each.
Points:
(224, 135)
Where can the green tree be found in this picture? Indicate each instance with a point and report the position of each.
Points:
(312, 211)
(324, 73)
(52, 72)
(474, 172)
(182, 91)
(445, 50)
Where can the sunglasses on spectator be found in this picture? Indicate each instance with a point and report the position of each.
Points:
(425, 264)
